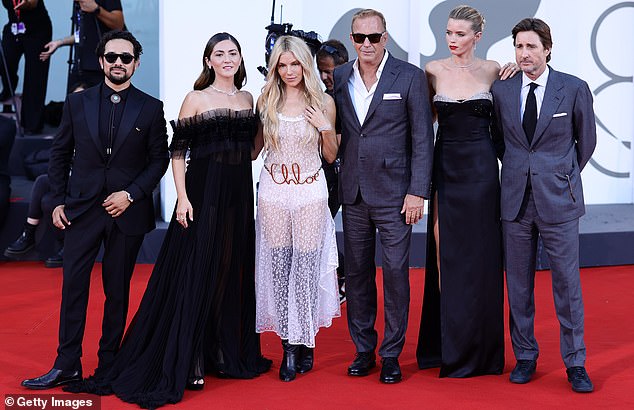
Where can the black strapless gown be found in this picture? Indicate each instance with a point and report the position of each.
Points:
(198, 310)
(462, 325)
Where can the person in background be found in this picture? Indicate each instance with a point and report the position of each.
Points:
(40, 206)
(91, 20)
(25, 34)
(7, 137)
(330, 55)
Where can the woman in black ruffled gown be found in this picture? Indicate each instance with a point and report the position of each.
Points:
(462, 329)
(197, 315)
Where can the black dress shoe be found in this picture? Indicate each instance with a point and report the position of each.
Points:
(55, 261)
(579, 379)
(362, 364)
(390, 370)
(24, 243)
(523, 371)
(53, 378)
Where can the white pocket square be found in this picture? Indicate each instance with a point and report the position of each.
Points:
(392, 96)
(560, 114)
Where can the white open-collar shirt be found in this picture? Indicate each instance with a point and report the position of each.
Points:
(361, 96)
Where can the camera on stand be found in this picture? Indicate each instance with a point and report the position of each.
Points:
(275, 31)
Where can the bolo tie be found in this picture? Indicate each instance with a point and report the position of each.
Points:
(114, 99)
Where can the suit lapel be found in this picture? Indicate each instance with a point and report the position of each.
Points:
(343, 89)
(514, 91)
(552, 99)
(388, 76)
(131, 112)
(91, 107)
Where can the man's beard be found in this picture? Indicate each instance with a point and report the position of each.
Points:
(118, 80)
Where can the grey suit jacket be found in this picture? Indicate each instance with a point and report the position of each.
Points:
(390, 154)
(563, 143)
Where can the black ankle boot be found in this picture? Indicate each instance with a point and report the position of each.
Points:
(24, 243)
(306, 357)
(289, 361)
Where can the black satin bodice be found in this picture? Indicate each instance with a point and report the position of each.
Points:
(463, 121)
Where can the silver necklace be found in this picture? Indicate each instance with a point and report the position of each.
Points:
(463, 66)
(229, 93)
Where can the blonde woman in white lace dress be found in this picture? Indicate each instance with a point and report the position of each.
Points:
(296, 252)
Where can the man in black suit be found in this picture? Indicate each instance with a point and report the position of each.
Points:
(384, 116)
(116, 138)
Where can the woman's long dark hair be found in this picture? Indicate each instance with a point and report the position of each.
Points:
(207, 76)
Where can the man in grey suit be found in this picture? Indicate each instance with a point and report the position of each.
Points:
(384, 117)
(545, 121)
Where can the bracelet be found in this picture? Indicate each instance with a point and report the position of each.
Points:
(325, 128)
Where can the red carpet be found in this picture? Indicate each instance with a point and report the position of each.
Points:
(29, 309)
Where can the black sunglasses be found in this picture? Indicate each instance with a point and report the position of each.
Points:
(360, 38)
(111, 58)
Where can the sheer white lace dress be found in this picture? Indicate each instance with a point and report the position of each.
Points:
(296, 251)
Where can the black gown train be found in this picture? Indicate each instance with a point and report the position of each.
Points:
(462, 325)
(198, 312)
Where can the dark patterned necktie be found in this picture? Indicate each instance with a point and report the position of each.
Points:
(529, 122)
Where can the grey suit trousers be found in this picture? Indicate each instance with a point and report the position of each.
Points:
(561, 242)
(360, 223)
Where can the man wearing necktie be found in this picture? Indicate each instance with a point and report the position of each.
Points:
(116, 138)
(545, 131)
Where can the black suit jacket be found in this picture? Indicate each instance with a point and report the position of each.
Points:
(390, 154)
(138, 161)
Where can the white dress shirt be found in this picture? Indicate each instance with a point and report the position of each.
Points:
(362, 97)
(539, 91)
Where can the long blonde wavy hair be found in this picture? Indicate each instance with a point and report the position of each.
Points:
(274, 91)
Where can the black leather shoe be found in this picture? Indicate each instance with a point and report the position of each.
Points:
(306, 358)
(362, 364)
(579, 379)
(24, 243)
(55, 261)
(390, 370)
(53, 378)
(288, 368)
(523, 371)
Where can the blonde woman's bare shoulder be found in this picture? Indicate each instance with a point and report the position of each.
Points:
(491, 65)
(492, 69)
(328, 100)
(434, 66)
